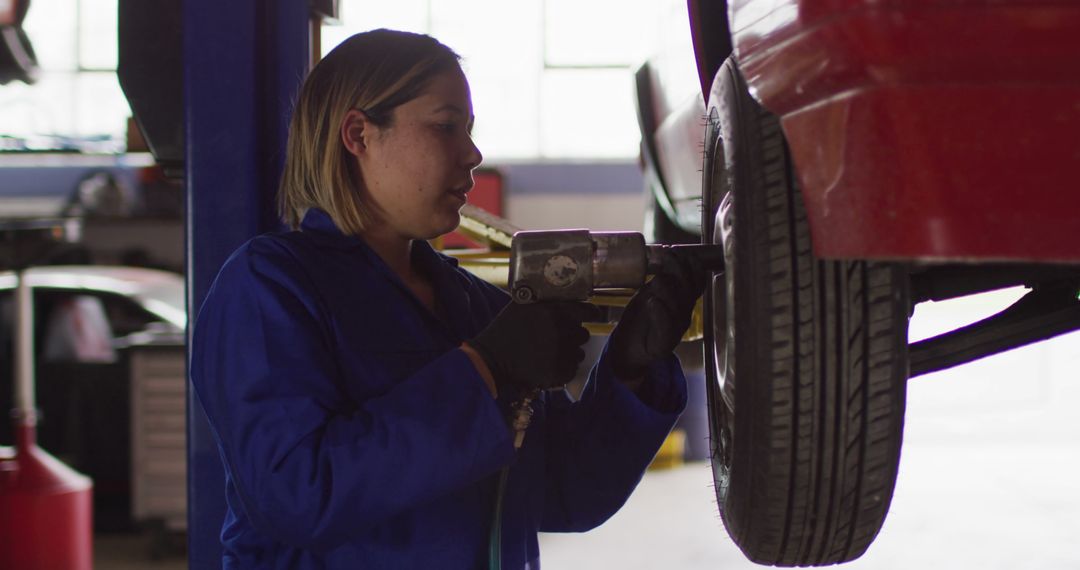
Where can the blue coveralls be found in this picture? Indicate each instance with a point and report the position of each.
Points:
(355, 435)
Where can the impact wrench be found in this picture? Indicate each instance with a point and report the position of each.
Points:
(569, 265)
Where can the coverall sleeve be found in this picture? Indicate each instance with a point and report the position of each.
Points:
(310, 470)
(599, 447)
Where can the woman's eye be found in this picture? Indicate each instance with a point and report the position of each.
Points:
(447, 127)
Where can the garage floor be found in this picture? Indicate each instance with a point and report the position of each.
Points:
(989, 477)
(953, 510)
(988, 480)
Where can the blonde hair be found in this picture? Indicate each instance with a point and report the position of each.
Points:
(373, 72)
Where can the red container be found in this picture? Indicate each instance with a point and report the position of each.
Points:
(45, 509)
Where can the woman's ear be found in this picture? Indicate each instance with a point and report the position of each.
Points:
(355, 130)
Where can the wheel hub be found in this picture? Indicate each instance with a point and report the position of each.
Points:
(722, 289)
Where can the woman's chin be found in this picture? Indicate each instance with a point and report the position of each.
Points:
(445, 226)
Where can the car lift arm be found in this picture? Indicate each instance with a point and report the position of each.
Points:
(1046, 312)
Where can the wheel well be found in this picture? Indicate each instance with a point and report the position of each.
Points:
(711, 35)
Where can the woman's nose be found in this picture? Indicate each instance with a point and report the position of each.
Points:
(473, 158)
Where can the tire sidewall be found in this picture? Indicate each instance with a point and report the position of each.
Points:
(734, 141)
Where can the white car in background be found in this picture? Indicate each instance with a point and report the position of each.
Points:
(94, 326)
(135, 299)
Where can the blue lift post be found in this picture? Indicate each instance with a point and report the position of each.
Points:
(244, 61)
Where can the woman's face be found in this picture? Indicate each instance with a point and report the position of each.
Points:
(418, 170)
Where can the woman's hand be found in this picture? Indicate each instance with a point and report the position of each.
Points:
(535, 346)
(656, 317)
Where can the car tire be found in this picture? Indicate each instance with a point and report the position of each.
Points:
(805, 451)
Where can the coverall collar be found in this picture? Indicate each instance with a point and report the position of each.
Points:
(319, 225)
(452, 303)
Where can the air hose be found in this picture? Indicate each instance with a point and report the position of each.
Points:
(522, 414)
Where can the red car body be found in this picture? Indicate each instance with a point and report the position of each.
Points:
(923, 129)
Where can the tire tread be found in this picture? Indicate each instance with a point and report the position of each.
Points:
(832, 369)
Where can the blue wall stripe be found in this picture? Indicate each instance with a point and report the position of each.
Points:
(577, 178)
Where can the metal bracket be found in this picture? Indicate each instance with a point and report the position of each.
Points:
(487, 228)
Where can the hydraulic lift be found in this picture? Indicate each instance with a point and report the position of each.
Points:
(243, 62)
(211, 86)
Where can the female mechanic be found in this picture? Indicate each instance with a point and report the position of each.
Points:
(364, 390)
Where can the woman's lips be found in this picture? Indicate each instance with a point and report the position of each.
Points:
(461, 191)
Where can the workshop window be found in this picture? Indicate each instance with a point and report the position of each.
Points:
(77, 103)
(551, 79)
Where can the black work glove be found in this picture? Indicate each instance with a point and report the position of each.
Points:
(656, 317)
(535, 346)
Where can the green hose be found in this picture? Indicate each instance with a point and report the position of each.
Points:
(519, 423)
(495, 542)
